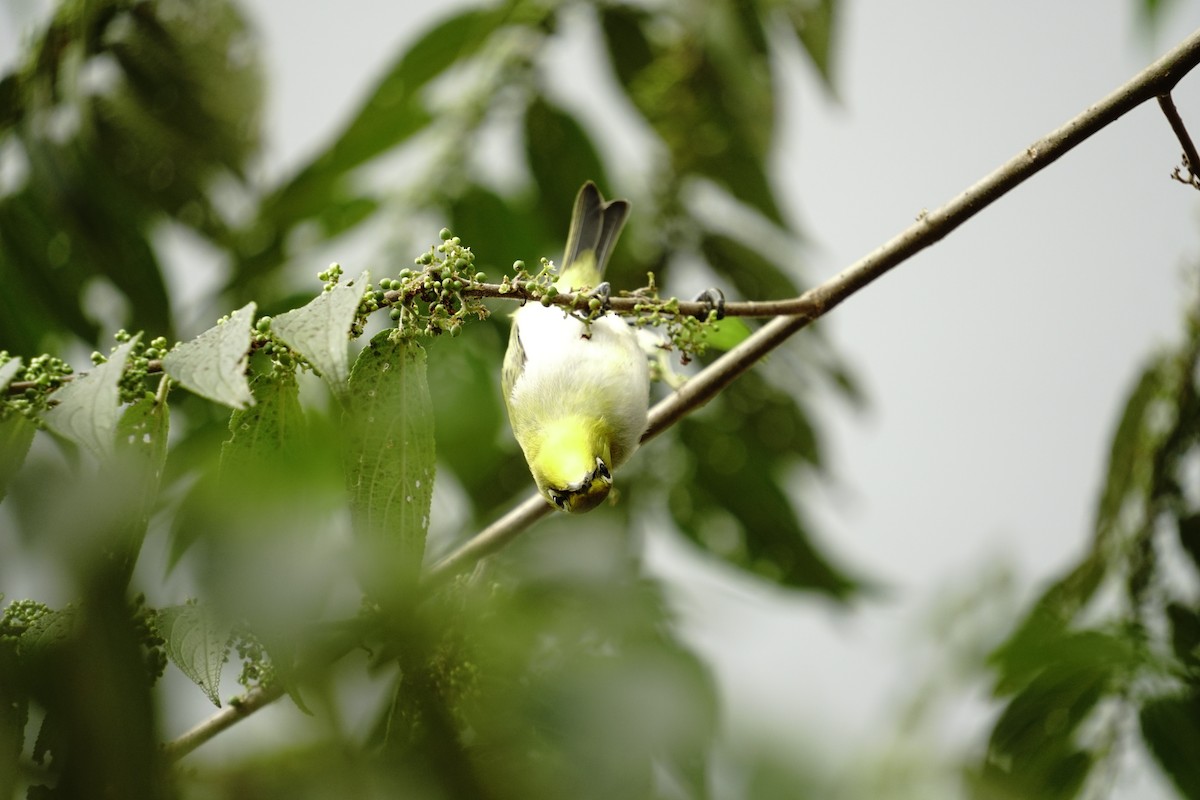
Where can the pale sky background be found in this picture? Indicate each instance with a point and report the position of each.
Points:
(995, 362)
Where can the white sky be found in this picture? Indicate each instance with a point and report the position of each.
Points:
(995, 362)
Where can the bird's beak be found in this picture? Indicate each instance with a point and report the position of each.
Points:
(586, 495)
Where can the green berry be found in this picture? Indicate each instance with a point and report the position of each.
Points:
(394, 313)
(444, 234)
(518, 265)
(480, 277)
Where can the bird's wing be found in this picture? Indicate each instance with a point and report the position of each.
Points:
(514, 362)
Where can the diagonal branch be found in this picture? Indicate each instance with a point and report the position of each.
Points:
(1157, 79)
(1191, 159)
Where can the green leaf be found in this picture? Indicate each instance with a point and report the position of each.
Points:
(196, 642)
(1171, 729)
(1033, 750)
(142, 443)
(1045, 629)
(391, 114)
(562, 157)
(88, 407)
(261, 432)
(498, 231)
(390, 462)
(755, 276)
(1185, 634)
(16, 432)
(1189, 536)
(725, 334)
(213, 365)
(815, 25)
(320, 331)
(629, 49)
(1127, 468)
(8, 371)
(732, 503)
(47, 632)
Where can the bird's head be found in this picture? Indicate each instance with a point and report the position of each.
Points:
(571, 466)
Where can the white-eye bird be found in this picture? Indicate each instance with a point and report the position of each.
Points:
(577, 394)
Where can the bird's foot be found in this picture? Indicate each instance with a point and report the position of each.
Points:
(714, 301)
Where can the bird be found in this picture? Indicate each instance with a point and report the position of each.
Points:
(577, 392)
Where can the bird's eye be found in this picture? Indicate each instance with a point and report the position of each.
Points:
(602, 469)
(559, 498)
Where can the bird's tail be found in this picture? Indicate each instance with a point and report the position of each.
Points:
(595, 226)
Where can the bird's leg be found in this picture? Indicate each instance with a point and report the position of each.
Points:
(714, 300)
(602, 291)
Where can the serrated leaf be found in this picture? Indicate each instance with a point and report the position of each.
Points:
(213, 365)
(89, 407)
(320, 330)
(259, 434)
(1171, 729)
(390, 462)
(196, 642)
(47, 632)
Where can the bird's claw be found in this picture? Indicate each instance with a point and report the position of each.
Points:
(602, 292)
(714, 300)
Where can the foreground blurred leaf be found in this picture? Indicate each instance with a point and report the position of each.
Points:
(142, 447)
(213, 365)
(197, 641)
(320, 331)
(88, 406)
(16, 431)
(1171, 728)
(815, 25)
(1033, 750)
(390, 463)
(16, 435)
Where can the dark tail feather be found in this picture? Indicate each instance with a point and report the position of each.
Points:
(595, 226)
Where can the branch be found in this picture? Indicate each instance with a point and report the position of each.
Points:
(1157, 79)
(239, 709)
(1191, 160)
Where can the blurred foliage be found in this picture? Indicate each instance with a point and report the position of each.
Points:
(1116, 637)
(555, 670)
(558, 672)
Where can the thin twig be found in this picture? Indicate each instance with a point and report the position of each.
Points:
(1191, 159)
(1157, 79)
(246, 705)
